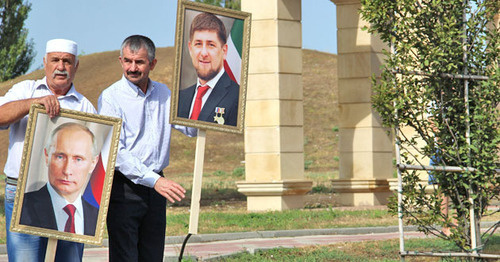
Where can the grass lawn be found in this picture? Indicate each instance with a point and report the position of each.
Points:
(387, 250)
(223, 210)
(220, 220)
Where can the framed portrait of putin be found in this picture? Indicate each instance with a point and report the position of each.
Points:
(66, 175)
(211, 64)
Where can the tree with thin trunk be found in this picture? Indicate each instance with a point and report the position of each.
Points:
(16, 52)
(440, 84)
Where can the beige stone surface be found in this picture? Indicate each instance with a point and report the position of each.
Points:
(364, 199)
(268, 137)
(292, 139)
(259, 13)
(348, 15)
(358, 115)
(289, 9)
(355, 90)
(274, 110)
(272, 9)
(274, 166)
(274, 195)
(361, 185)
(264, 33)
(363, 192)
(265, 113)
(276, 33)
(263, 60)
(351, 40)
(366, 165)
(274, 188)
(274, 139)
(365, 148)
(275, 60)
(358, 65)
(260, 167)
(365, 140)
(290, 60)
(275, 86)
(274, 203)
(290, 33)
(262, 113)
(292, 113)
(292, 165)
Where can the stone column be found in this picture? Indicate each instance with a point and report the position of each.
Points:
(365, 148)
(274, 141)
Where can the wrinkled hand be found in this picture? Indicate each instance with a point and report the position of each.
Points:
(169, 189)
(51, 104)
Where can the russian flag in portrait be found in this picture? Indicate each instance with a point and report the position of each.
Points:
(93, 191)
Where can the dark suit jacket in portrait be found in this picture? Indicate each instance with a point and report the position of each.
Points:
(38, 211)
(224, 95)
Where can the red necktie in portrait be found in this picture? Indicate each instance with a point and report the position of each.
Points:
(202, 90)
(70, 223)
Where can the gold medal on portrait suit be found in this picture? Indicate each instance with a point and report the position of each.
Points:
(219, 111)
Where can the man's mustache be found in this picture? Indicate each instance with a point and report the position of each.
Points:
(59, 72)
(133, 73)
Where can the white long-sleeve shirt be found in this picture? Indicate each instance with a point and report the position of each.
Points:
(32, 89)
(144, 147)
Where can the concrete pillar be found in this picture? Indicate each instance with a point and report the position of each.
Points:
(364, 146)
(274, 140)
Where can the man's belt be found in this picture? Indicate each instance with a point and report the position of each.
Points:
(11, 181)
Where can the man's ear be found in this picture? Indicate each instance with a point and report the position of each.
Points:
(95, 160)
(224, 50)
(189, 47)
(153, 64)
(46, 156)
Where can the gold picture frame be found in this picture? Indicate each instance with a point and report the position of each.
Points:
(95, 186)
(228, 113)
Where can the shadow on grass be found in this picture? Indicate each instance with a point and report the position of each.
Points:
(363, 251)
(209, 196)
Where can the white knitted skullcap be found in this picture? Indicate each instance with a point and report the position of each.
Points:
(62, 45)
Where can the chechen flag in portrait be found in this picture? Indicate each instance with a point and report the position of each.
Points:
(232, 64)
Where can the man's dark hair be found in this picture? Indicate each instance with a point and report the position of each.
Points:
(210, 22)
(136, 42)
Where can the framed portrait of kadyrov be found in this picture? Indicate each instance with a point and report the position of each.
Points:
(66, 175)
(211, 64)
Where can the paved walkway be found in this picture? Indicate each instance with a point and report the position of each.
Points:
(212, 246)
(218, 249)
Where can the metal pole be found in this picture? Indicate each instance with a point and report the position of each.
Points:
(443, 75)
(439, 168)
(467, 131)
(451, 254)
(400, 197)
(400, 181)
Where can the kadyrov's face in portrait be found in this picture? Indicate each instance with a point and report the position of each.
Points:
(207, 54)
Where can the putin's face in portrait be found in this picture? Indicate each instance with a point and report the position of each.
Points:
(70, 158)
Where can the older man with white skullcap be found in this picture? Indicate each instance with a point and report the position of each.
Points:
(54, 91)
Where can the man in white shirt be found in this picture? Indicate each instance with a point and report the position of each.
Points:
(71, 155)
(137, 210)
(54, 91)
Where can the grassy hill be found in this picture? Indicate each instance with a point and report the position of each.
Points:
(224, 152)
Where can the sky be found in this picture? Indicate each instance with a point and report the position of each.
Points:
(101, 25)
